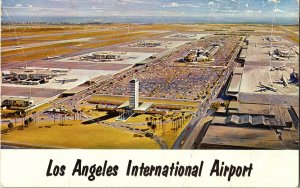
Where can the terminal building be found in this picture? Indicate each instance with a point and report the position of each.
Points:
(105, 56)
(149, 43)
(31, 75)
(235, 82)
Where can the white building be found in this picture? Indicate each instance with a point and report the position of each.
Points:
(134, 94)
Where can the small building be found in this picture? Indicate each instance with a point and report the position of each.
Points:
(233, 119)
(219, 120)
(235, 82)
(221, 110)
(233, 106)
(258, 120)
(17, 103)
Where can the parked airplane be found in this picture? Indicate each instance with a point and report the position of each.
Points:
(65, 80)
(52, 57)
(262, 87)
(275, 57)
(281, 67)
(282, 81)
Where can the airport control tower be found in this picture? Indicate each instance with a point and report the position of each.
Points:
(134, 94)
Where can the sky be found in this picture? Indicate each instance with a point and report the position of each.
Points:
(190, 8)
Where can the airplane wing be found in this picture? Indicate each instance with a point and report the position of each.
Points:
(261, 90)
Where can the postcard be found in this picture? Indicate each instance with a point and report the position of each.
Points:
(160, 93)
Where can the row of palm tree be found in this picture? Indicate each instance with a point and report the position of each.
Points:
(159, 122)
(20, 114)
(178, 122)
(25, 121)
(77, 114)
(156, 122)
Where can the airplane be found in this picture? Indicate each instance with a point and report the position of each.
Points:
(276, 57)
(282, 81)
(281, 67)
(65, 80)
(52, 57)
(263, 87)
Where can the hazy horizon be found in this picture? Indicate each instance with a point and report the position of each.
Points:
(154, 11)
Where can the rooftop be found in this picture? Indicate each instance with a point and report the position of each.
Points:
(19, 98)
(245, 137)
(234, 86)
(144, 106)
(233, 105)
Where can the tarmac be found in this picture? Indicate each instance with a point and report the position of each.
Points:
(251, 77)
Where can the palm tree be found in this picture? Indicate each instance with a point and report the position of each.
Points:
(30, 119)
(162, 124)
(34, 115)
(178, 123)
(23, 116)
(79, 115)
(153, 126)
(74, 111)
(160, 119)
(183, 113)
(26, 122)
(16, 116)
(53, 113)
(149, 124)
(10, 125)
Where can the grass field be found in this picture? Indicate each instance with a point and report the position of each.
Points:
(36, 55)
(76, 135)
(37, 48)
